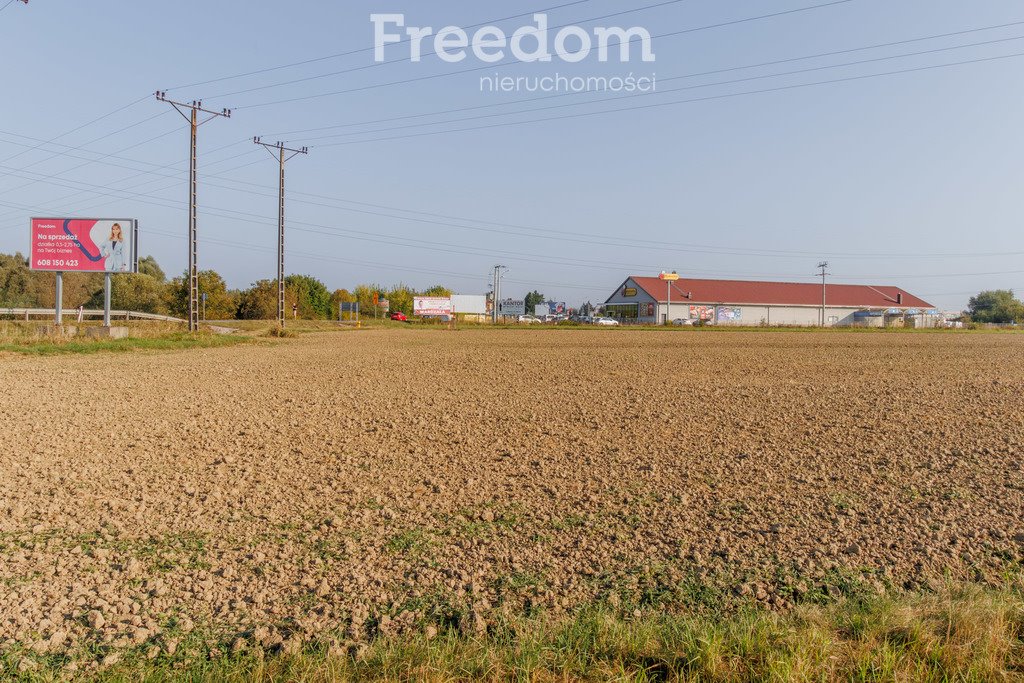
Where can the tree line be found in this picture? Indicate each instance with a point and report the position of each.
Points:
(151, 291)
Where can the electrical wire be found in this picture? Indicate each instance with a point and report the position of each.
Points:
(679, 102)
(434, 54)
(660, 80)
(509, 63)
(618, 98)
(361, 50)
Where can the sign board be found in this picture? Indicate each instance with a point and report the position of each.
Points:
(92, 245)
(512, 307)
(727, 314)
(470, 304)
(384, 303)
(670, 277)
(540, 310)
(629, 292)
(431, 305)
(702, 312)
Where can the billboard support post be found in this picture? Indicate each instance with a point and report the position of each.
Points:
(59, 302)
(106, 300)
(193, 248)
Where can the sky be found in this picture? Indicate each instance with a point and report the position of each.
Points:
(754, 158)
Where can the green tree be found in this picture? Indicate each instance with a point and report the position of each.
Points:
(221, 304)
(17, 288)
(134, 292)
(259, 302)
(401, 298)
(149, 266)
(364, 295)
(311, 296)
(24, 288)
(534, 299)
(996, 306)
(438, 291)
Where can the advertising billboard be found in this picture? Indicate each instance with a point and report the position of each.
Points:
(706, 313)
(431, 305)
(471, 304)
(512, 307)
(94, 245)
(727, 314)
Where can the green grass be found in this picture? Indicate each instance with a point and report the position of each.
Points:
(960, 634)
(175, 341)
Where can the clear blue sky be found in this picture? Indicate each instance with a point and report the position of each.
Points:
(912, 179)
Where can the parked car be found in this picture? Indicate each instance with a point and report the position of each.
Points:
(607, 322)
(684, 321)
(528, 319)
(399, 316)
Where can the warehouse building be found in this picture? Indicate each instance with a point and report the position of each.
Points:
(651, 300)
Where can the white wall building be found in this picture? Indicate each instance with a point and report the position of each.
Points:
(650, 300)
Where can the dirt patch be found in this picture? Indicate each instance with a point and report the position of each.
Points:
(381, 480)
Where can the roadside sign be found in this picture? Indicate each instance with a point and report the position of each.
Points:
(512, 307)
(669, 277)
(92, 245)
(431, 305)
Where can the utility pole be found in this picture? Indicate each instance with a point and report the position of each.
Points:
(497, 292)
(281, 158)
(823, 266)
(195, 109)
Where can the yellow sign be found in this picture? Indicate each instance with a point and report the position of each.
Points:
(671, 277)
(629, 291)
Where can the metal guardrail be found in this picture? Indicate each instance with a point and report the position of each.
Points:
(28, 313)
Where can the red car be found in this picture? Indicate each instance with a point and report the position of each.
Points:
(399, 316)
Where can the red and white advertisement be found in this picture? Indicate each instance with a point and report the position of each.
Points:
(429, 305)
(98, 245)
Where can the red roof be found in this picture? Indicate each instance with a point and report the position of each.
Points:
(779, 293)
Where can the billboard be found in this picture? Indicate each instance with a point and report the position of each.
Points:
(512, 307)
(94, 245)
(431, 305)
(727, 314)
(557, 308)
(472, 304)
(705, 313)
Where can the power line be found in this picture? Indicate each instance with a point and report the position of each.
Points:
(11, 2)
(434, 54)
(587, 238)
(75, 168)
(678, 102)
(365, 49)
(662, 80)
(644, 94)
(509, 63)
(76, 129)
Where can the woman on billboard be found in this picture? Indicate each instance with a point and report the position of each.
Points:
(113, 250)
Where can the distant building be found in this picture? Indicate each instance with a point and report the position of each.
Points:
(646, 300)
